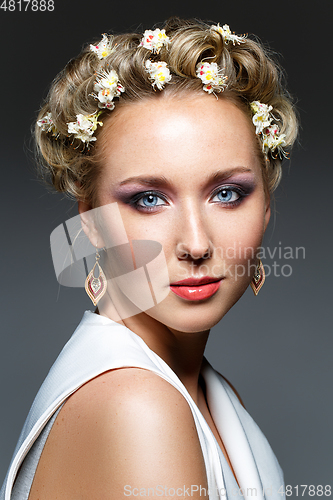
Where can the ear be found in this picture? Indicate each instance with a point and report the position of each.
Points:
(89, 226)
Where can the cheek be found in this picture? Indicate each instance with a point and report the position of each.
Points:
(159, 227)
(237, 243)
(248, 237)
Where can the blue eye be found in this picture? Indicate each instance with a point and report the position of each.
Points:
(227, 195)
(148, 201)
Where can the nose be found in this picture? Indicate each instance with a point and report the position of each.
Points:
(194, 242)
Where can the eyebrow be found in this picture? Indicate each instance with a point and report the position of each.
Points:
(162, 181)
(221, 175)
(147, 181)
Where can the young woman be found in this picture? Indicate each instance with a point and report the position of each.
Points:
(171, 142)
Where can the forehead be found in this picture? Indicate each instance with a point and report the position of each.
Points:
(168, 135)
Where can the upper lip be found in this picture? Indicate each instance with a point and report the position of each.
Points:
(196, 281)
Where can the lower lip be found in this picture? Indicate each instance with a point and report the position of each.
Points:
(199, 292)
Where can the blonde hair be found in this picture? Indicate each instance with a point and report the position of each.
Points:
(252, 76)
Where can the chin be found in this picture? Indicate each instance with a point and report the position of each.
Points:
(192, 317)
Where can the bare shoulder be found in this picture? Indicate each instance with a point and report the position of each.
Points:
(124, 431)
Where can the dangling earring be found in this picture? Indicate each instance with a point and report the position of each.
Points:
(258, 278)
(96, 287)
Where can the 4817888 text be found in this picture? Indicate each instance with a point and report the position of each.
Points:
(310, 489)
(27, 5)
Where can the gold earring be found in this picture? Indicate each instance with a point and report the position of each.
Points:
(96, 287)
(258, 278)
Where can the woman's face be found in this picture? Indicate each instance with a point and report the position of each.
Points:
(186, 173)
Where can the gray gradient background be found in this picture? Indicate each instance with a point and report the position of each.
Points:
(276, 348)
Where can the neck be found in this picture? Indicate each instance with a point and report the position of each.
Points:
(182, 351)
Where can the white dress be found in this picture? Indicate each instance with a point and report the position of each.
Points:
(100, 344)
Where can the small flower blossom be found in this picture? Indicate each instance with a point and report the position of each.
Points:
(227, 35)
(272, 140)
(103, 48)
(262, 117)
(105, 97)
(154, 40)
(84, 127)
(107, 87)
(159, 73)
(211, 76)
(47, 125)
(268, 132)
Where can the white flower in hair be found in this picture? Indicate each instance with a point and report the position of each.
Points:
(211, 76)
(84, 127)
(105, 97)
(272, 140)
(262, 117)
(154, 40)
(107, 87)
(47, 125)
(227, 35)
(103, 48)
(159, 73)
(268, 132)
